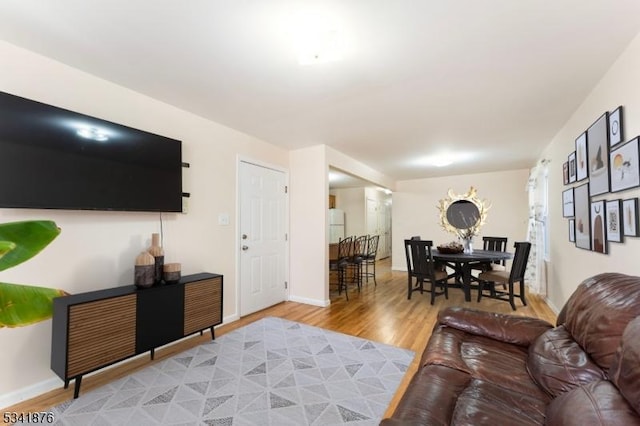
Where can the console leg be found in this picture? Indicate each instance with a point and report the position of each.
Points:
(66, 383)
(153, 352)
(201, 332)
(76, 388)
(213, 336)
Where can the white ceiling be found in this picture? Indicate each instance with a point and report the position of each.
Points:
(495, 79)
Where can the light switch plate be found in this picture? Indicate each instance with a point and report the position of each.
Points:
(223, 219)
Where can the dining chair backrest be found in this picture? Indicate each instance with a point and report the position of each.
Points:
(344, 247)
(372, 246)
(359, 246)
(520, 259)
(419, 258)
(495, 244)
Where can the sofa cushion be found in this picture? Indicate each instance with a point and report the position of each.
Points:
(625, 370)
(596, 403)
(514, 329)
(598, 311)
(483, 358)
(431, 396)
(558, 364)
(483, 403)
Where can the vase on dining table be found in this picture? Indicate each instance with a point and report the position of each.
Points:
(467, 244)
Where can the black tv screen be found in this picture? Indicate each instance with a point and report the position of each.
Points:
(53, 158)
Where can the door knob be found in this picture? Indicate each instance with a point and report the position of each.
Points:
(245, 248)
(244, 236)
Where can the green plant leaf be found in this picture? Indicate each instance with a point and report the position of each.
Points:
(23, 240)
(6, 247)
(22, 305)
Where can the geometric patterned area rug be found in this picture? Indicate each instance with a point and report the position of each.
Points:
(270, 372)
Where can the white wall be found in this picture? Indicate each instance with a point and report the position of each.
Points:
(309, 247)
(570, 265)
(352, 201)
(415, 208)
(97, 249)
(309, 212)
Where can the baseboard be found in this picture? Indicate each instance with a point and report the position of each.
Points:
(550, 304)
(230, 318)
(29, 392)
(306, 301)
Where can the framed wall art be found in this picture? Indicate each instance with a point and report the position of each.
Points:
(567, 203)
(565, 173)
(598, 227)
(581, 157)
(572, 231)
(630, 217)
(582, 216)
(625, 171)
(616, 134)
(572, 167)
(614, 221)
(598, 156)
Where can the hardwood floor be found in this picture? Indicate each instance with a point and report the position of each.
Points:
(381, 313)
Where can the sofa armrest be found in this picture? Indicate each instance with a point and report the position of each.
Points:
(513, 329)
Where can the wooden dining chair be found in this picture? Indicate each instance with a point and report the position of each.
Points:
(421, 267)
(496, 244)
(492, 244)
(487, 280)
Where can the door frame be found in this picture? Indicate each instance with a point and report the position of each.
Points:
(238, 244)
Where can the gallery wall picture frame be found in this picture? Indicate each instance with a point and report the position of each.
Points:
(630, 225)
(567, 203)
(582, 216)
(616, 130)
(582, 165)
(614, 221)
(572, 167)
(572, 230)
(598, 155)
(599, 227)
(625, 167)
(565, 173)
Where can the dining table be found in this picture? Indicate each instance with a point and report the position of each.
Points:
(463, 262)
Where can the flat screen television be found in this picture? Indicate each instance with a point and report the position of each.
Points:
(52, 158)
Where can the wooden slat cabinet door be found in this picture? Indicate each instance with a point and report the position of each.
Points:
(202, 304)
(100, 333)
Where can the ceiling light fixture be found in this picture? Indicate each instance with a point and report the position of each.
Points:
(317, 39)
(441, 160)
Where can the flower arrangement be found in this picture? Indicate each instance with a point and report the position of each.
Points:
(469, 233)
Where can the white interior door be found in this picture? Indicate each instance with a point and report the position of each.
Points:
(373, 227)
(379, 223)
(262, 237)
(384, 245)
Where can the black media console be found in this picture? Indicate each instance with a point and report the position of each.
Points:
(95, 329)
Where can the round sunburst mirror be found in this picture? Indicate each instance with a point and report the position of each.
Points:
(463, 214)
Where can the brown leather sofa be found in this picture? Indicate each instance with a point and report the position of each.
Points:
(482, 368)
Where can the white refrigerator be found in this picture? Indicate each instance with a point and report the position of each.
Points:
(336, 225)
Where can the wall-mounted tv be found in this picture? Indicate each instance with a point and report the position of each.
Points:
(52, 158)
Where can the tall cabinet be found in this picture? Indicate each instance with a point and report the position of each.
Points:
(95, 329)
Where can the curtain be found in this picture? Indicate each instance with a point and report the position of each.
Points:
(537, 229)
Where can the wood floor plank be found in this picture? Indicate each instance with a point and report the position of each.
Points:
(380, 313)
